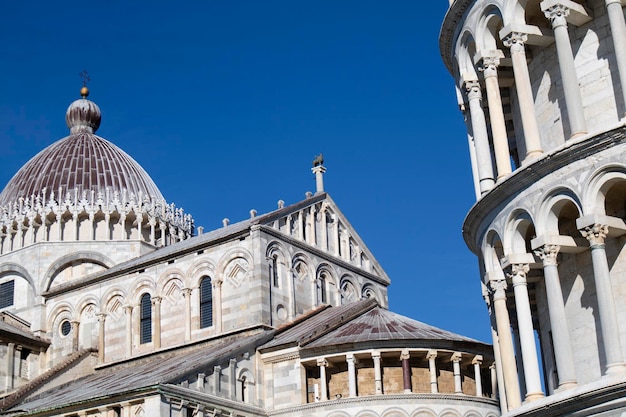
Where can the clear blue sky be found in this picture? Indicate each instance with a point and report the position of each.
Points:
(225, 104)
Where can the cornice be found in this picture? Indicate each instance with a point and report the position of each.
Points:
(324, 255)
(448, 32)
(386, 398)
(527, 175)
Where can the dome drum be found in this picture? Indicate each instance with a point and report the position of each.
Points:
(91, 217)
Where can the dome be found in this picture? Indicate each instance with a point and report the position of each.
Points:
(82, 162)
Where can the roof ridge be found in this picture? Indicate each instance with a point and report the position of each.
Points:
(301, 318)
(334, 323)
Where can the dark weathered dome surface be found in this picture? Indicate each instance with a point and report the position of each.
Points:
(81, 162)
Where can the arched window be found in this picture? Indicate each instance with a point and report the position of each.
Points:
(206, 303)
(145, 319)
(321, 289)
(244, 393)
(274, 271)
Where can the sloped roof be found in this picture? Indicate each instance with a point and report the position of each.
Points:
(365, 322)
(381, 324)
(10, 332)
(143, 373)
(192, 244)
(317, 323)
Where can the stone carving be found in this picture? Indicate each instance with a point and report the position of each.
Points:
(548, 253)
(595, 234)
(236, 271)
(318, 160)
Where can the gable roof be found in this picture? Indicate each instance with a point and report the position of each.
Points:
(143, 373)
(215, 237)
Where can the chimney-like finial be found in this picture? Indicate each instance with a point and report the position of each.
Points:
(318, 169)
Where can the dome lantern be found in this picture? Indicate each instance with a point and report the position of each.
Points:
(83, 115)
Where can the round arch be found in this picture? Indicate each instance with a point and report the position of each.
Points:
(13, 268)
(85, 256)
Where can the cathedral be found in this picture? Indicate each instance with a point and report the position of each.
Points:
(112, 303)
(541, 86)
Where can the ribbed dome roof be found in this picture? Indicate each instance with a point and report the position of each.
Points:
(82, 161)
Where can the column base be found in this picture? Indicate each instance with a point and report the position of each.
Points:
(577, 135)
(566, 385)
(534, 396)
(408, 391)
(615, 368)
(530, 155)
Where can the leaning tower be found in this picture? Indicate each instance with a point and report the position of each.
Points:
(541, 87)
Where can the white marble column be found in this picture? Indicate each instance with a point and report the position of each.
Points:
(481, 137)
(515, 42)
(232, 376)
(129, 330)
(323, 364)
(456, 367)
(75, 325)
(310, 226)
(432, 368)
(558, 319)
(618, 33)
(596, 234)
(217, 373)
(187, 297)
(530, 360)
(477, 361)
(319, 171)
(10, 365)
(493, 374)
(378, 380)
(490, 62)
(497, 375)
(217, 309)
(351, 360)
(156, 329)
(324, 227)
(509, 367)
(101, 327)
(557, 14)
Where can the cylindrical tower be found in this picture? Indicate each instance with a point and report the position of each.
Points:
(541, 85)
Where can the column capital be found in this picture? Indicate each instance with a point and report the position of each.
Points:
(517, 273)
(101, 316)
(498, 288)
(128, 309)
(478, 359)
(557, 14)
(595, 234)
(375, 354)
(548, 253)
(322, 362)
(473, 88)
(456, 357)
(489, 62)
(350, 358)
(515, 39)
(405, 354)
(186, 292)
(156, 300)
(432, 354)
